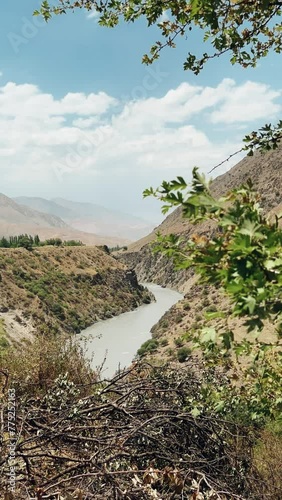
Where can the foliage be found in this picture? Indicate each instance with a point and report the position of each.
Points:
(240, 252)
(117, 248)
(148, 346)
(247, 31)
(183, 353)
(243, 253)
(43, 361)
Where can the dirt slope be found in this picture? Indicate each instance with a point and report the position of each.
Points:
(265, 170)
(63, 289)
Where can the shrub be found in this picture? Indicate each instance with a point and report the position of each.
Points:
(186, 306)
(147, 347)
(164, 342)
(183, 353)
(178, 342)
(178, 318)
(43, 361)
(211, 309)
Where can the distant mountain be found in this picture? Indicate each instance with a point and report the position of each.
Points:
(14, 213)
(18, 218)
(46, 206)
(91, 218)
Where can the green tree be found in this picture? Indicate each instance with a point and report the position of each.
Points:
(25, 241)
(4, 243)
(241, 254)
(36, 240)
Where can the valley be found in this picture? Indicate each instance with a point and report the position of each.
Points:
(140, 299)
(63, 290)
(78, 316)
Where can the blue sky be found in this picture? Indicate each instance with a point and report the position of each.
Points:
(82, 118)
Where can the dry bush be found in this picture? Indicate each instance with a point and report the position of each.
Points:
(132, 438)
(268, 462)
(34, 367)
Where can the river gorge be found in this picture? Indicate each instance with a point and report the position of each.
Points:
(115, 341)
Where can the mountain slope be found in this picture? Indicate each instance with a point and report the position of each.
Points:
(13, 213)
(64, 289)
(178, 326)
(43, 205)
(91, 218)
(17, 219)
(265, 170)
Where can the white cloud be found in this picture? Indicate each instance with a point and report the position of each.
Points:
(27, 100)
(85, 122)
(247, 102)
(42, 142)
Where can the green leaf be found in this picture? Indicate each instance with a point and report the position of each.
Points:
(250, 303)
(195, 412)
(208, 335)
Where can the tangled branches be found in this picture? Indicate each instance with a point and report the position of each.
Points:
(132, 437)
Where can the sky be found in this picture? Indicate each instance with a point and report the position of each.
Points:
(82, 118)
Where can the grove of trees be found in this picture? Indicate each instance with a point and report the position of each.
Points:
(29, 242)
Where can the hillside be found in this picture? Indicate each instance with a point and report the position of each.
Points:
(63, 289)
(13, 213)
(265, 172)
(20, 219)
(91, 218)
(176, 329)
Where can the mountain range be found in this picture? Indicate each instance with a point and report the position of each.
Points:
(90, 223)
(90, 218)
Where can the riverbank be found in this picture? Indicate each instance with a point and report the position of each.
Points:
(63, 290)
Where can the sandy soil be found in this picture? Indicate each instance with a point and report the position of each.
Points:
(18, 329)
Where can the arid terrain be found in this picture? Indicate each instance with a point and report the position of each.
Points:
(62, 290)
(177, 327)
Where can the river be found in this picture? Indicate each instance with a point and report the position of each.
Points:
(117, 339)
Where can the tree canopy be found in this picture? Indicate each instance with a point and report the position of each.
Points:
(246, 30)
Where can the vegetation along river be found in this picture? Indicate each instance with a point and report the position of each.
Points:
(118, 339)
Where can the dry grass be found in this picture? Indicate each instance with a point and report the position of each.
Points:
(65, 289)
(33, 369)
(268, 462)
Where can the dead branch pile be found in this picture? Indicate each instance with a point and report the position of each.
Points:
(131, 438)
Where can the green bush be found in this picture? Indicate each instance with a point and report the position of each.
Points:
(178, 342)
(178, 318)
(187, 306)
(164, 342)
(183, 353)
(150, 345)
